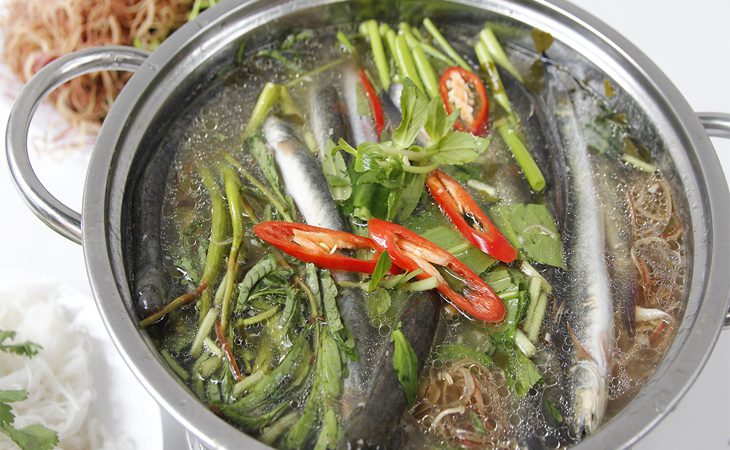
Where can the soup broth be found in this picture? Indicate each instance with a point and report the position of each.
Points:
(535, 286)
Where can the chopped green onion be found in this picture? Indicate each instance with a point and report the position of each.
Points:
(422, 285)
(444, 44)
(425, 70)
(537, 318)
(495, 49)
(381, 62)
(404, 61)
(246, 383)
(522, 156)
(524, 344)
(489, 190)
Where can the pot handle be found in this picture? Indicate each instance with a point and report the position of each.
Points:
(48, 208)
(717, 125)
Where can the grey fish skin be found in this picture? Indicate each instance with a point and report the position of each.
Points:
(305, 183)
(376, 423)
(151, 281)
(326, 119)
(590, 300)
(302, 175)
(362, 127)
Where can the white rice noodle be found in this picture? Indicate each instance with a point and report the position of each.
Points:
(58, 379)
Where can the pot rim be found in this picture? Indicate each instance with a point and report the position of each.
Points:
(101, 226)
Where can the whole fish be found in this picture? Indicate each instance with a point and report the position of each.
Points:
(150, 280)
(305, 183)
(376, 423)
(589, 305)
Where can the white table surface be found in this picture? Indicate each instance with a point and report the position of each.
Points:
(689, 41)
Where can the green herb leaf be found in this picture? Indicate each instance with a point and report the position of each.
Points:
(457, 148)
(265, 266)
(439, 124)
(329, 298)
(35, 437)
(377, 304)
(28, 348)
(531, 228)
(415, 110)
(336, 174)
(542, 40)
(521, 372)
(405, 364)
(381, 268)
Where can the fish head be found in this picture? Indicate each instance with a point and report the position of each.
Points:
(589, 398)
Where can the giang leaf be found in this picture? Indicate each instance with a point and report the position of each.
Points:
(521, 372)
(407, 198)
(415, 110)
(531, 228)
(448, 238)
(457, 148)
(381, 268)
(405, 364)
(330, 366)
(329, 434)
(439, 123)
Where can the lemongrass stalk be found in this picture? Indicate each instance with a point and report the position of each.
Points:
(528, 165)
(233, 193)
(268, 97)
(381, 62)
(444, 44)
(495, 49)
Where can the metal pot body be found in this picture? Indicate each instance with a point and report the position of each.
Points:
(166, 80)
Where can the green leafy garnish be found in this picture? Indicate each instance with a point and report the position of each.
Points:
(399, 165)
(381, 268)
(29, 349)
(405, 364)
(336, 174)
(454, 352)
(531, 228)
(36, 437)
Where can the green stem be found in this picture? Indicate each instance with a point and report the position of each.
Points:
(316, 71)
(522, 156)
(233, 193)
(268, 97)
(246, 383)
(444, 44)
(218, 234)
(177, 368)
(258, 317)
(539, 315)
(639, 164)
(425, 70)
(381, 61)
(420, 169)
(203, 331)
(433, 52)
(493, 78)
(404, 60)
(495, 49)
(260, 186)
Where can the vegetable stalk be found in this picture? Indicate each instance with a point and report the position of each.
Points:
(444, 44)
(233, 193)
(522, 155)
(381, 62)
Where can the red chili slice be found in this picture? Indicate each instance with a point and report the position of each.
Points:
(468, 218)
(319, 246)
(464, 90)
(411, 251)
(374, 101)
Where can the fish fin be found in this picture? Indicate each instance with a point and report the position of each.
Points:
(583, 354)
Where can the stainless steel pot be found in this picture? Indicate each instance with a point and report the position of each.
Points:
(165, 79)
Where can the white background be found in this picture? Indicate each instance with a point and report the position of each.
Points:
(689, 41)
